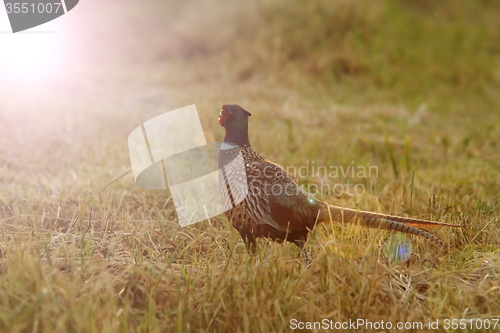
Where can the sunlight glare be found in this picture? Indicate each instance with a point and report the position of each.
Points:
(29, 56)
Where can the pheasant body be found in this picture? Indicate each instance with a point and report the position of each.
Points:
(272, 205)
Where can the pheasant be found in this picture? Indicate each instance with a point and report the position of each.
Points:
(273, 206)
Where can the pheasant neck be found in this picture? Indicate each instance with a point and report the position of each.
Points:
(237, 134)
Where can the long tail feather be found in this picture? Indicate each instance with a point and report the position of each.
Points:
(381, 221)
(347, 213)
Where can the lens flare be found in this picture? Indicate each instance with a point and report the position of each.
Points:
(398, 248)
(32, 55)
(28, 56)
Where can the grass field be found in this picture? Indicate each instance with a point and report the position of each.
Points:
(411, 88)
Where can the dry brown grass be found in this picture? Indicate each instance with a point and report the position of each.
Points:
(353, 83)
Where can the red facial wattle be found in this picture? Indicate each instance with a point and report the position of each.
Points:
(222, 114)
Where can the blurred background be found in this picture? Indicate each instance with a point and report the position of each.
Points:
(404, 85)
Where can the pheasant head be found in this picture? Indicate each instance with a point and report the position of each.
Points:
(235, 120)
